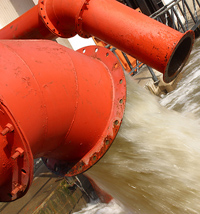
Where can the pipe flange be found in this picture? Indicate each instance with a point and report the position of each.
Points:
(17, 159)
(45, 18)
(115, 71)
(53, 28)
(79, 20)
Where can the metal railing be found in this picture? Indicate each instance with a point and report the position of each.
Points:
(134, 70)
(180, 15)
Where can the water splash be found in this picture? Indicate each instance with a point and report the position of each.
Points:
(96, 207)
(153, 165)
(185, 98)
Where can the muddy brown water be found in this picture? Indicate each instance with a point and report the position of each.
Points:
(153, 165)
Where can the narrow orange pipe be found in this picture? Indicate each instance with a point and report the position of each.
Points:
(53, 105)
(147, 40)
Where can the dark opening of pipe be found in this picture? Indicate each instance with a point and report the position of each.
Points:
(178, 58)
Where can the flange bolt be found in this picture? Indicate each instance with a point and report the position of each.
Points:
(9, 128)
(18, 152)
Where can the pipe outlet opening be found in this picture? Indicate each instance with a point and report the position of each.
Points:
(179, 57)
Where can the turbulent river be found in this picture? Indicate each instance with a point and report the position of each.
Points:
(153, 165)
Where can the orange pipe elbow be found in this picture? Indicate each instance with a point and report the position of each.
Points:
(58, 104)
(147, 40)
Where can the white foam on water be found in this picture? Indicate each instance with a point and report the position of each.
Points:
(186, 97)
(101, 208)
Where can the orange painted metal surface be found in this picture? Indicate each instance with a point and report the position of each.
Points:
(27, 26)
(147, 40)
(123, 61)
(55, 103)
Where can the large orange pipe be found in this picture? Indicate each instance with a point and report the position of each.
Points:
(57, 104)
(151, 42)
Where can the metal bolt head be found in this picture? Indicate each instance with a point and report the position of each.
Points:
(18, 152)
(8, 128)
(16, 190)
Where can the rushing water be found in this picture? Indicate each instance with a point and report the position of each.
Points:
(153, 165)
